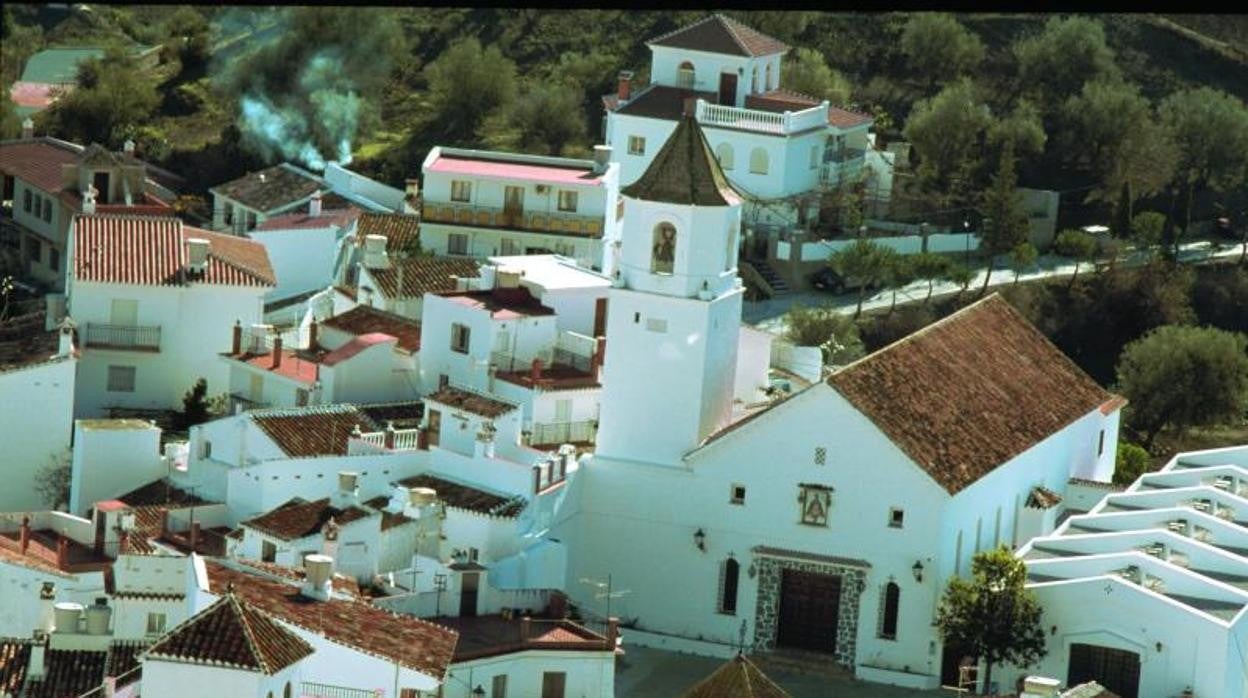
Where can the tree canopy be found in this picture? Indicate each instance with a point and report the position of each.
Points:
(107, 106)
(467, 83)
(807, 72)
(946, 132)
(1069, 52)
(827, 328)
(1005, 225)
(862, 264)
(938, 48)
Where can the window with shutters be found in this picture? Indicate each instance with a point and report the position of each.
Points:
(636, 145)
(729, 577)
(554, 683)
(498, 686)
(460, 335)
(889, 600)
(457, 243)
(121, 379)
(567, 201)
(461, 190)
(758, 161)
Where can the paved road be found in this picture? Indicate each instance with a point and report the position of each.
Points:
(769, 315)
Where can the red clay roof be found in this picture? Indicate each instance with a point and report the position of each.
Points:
(152, 251)
(406, 640)
(493, 635)
(470, 402)
(720, 34)
(969, 392)
(363, 319)
(461, 496)
(336, 218)
(298, 518)
(234, 634)
(844, 118)
(399, 229)
(310, 431)
(296, 365)
(38, 161)
(684, 172)
(355, 346)
(502, 303)
(662, 102)
(781, 100)
(272, 188)
(423, 274)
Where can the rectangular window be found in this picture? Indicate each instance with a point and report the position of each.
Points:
(461, 190)
(34, 250)
(54, 261)
(457, 243)
(250, 221)
(636, 145)
(205, 449)
(814, 157)
(567, 201)
(47, 210)
(268, 551)
(227, 217)
(498, 687)
(737, 495)
(896, 517)
(509, 247)
(121, 379)
(301, 397)
(26, 200)
(156, 623)
(1100, 445)
(553, 684)
(443, 380)
(459, 338)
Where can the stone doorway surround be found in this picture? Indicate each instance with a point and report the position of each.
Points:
(768, 563)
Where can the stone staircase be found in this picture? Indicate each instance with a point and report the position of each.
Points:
(779, 287)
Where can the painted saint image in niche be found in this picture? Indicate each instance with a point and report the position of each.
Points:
(663, 253)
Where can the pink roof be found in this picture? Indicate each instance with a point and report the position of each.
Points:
(355, 346)
(448, 164)
(293, 366)
(335, 218)
(34, 94)
(111, 505)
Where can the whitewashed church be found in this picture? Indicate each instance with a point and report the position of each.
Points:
(826, 521)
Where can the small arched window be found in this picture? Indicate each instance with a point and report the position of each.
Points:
(685, 75)
(734, 236)
(663, 251)
(769, 83)
(888, 611)
(288, 691)
(758, 161)
(729, 575)
(754, 81)
(723, 153)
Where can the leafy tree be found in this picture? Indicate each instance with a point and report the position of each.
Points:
(1146, 229)
(807, 72)
(10, 124)
(194, 406)
(108, 105)
(1002, 204)
(1058, 61)
(827, 328)
(930, 267)
(467, 83)
(52, 481)
(900, 273)
(547, 119)
(1077, 245)
(960, 274)
(993, 616)
(862, 264)
(1182, 377)
(1130, 463)
(938, 48)
(945, 132)
(1211, 129)
(1022, 258)
(1022, 128)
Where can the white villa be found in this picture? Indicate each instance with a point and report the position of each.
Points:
(154, 302)
(1147, 593)
(826, 522)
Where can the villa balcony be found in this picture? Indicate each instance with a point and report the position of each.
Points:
(320, 690)
(761, 121)
(240, 403)
(558, 433)
(552, 223)
(126, 337)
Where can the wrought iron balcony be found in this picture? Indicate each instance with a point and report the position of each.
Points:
(128, 337)
(563, 433)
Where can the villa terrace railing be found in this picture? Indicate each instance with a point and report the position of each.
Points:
(556, 433)
(240, 403)
(130, 337)
(308, 689)
(494, 217)
(783, 123)
(393, 440)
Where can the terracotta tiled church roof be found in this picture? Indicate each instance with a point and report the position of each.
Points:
(234, 634)
(968, 393)
(740, 678)
(684, 171)
(719, 34)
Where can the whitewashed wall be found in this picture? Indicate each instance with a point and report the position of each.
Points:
(36, 420)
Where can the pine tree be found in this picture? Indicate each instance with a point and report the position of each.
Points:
(1008, 225)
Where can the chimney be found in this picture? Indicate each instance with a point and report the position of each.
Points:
(319, 580)
(411, 187)
(62, 552)
(197, 255)
(329, 533)
(624, 90)
(312, 332)
(194, 536)
(689, 107)
(38, 668)
(28, 128)
(485, 440)
(110, 686)
(526, 627)
(600, 355)
(375, 256)
(535, 371)
(537, 479)
(314, 205)
(602, 158)
(277, 351)
(65, 345)
(236, 340)
(47, 607)
(388, 436)
(88, 199)
(128, 147)
(25, 534)
(613, 631)
(348, 489)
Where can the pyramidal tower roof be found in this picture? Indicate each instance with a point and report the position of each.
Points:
(684, 171)
(231, 633)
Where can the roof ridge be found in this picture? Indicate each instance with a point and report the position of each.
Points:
(248, 632)
(330, 408)
(680, 29)
(731, 26)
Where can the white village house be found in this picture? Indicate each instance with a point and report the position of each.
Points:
(827, 522)
(154, 301)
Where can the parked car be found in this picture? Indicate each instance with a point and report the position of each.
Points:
(826, 279)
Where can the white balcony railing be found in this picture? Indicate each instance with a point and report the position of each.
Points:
(783, 123)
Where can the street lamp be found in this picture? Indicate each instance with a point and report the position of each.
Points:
(917, 569)
(966, 236)
(699, 539)
(478, 692)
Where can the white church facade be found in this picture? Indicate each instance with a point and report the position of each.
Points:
(828, 521)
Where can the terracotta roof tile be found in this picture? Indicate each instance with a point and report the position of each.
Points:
(272, 188)
(336, 218)
(24, 342)
(470, 402)
(685, 172)
(502, 303)
(399, 229)
(661, 102)
(720, 34)
(235, 634)
(14, 657)
(1043, 498)
(424, 274)
(969, 392)
(389, 519)
(314, 431)
(781, 100)
(493, 635)
(355, 346)
(298, 518)
(363, 319)
(740, 678)
(152, 251)
(38, 161)
(462, 496)
(844, 118)
(406, 640)
(404, 415)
